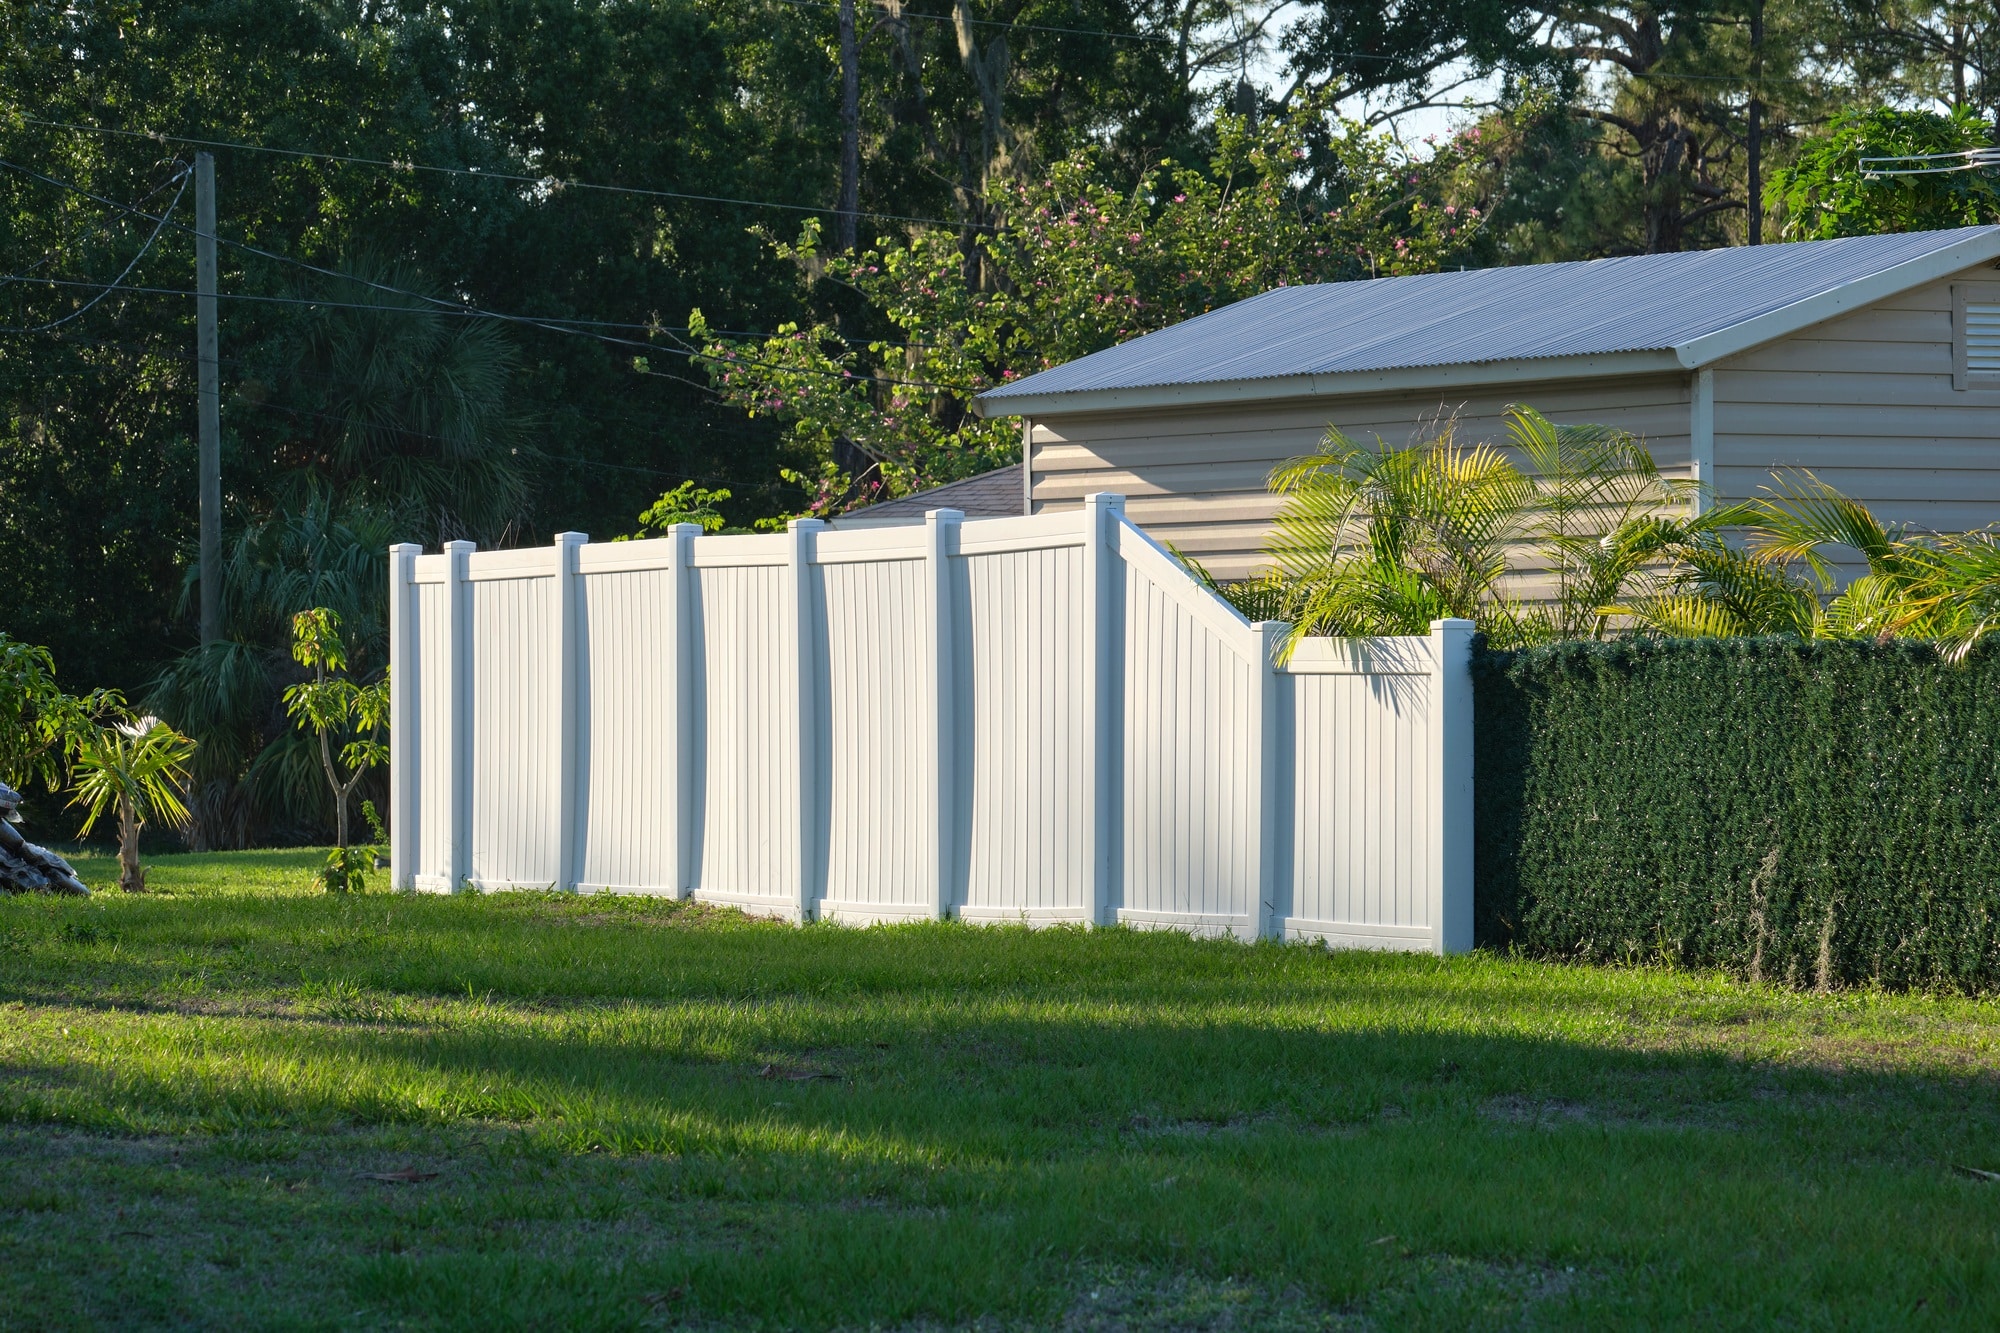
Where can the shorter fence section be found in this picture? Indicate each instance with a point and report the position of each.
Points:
(1038, 719)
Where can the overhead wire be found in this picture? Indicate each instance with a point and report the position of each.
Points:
(287, 409)
(438, 302)
(459, 312)
(114, 285)
(547, 182)
(144, 349)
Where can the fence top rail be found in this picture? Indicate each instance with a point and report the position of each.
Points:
(519, 562)
(840, 546)
(1402, 655)
(993, 536)
(1159, 567)
(610, 557)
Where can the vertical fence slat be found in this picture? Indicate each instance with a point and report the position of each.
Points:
(1269, 797)
(1102, 701)
(941, 529)
(805, 661)
(405, 779)
(457, 765)
(1451, 786)
(562, 692)
(680, 696)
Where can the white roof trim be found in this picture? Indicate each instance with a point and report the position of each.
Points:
(1787, 320)
(1346, 384)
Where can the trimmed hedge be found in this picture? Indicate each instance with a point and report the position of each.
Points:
(1806, 813)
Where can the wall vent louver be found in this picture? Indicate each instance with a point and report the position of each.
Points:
(1982, 337)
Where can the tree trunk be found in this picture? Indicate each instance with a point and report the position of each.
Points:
(131, 875)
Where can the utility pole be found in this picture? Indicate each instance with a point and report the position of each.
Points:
(208, 398)
(1756, 144)
(847, 221)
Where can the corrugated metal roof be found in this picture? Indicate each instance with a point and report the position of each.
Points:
(1644, 303)
(995, 494)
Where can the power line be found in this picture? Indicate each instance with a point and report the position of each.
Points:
(437, 301)
(100, 226)
(113, 285)
(550, 183)
(580, 325)
(656, 424)
(289, 410)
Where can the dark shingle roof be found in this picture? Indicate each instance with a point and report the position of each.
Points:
(995, 494)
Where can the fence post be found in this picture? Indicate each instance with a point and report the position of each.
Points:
(405, 689)
(680, 696)
(563, 701)
(804, 662)
(1271, 796)
(1103, 698)
(941, 531)
(1451, 786)
(458, 715)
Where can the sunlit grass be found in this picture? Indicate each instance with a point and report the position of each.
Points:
(643, 1111)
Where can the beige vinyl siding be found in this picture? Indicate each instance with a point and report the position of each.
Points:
(1866, 402)
(1196, 478)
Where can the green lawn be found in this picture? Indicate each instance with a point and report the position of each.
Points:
(630, 1112)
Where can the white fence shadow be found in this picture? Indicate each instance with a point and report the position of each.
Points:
(1036, 719)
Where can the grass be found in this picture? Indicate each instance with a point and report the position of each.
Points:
(618, 1113)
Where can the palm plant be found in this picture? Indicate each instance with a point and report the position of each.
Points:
(135, 768)
(1783, 576)
(1384, 540)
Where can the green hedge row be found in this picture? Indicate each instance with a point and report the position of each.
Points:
(1805, 813)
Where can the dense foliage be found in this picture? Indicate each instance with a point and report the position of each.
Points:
(1085, 262)
(1813, 814)
(388, 172)
(1828, 192)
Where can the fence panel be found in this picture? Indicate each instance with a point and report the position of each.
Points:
(513, 725)
(746, 745)
(629, 725)
(1027, 817)
(1363, 798)
(1040, 719)
(1193, 828)
(435, 700)
(878, 804)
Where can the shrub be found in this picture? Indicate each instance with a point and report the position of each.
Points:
(1816, 813)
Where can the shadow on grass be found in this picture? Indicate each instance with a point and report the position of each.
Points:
(808, 1128)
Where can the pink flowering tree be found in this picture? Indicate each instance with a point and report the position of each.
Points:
(1082, 264)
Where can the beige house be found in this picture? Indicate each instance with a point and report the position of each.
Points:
(1873, 361)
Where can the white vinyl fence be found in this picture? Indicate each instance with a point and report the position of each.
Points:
(1035, 719)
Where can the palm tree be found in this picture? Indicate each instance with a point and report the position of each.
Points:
(228, 694)
(136, 767)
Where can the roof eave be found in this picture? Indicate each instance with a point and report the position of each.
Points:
(1787, 320)
(1346, 384)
